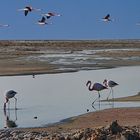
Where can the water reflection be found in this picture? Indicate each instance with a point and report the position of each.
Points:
(53, 97)
(100, 102)
(10, 122)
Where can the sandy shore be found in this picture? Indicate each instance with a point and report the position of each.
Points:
(13, 61)
(98, 125)
(98, 119)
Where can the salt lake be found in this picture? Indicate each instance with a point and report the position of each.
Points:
(49, 98)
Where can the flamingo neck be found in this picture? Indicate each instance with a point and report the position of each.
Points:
(6, 101)
(90, 86)
(105, 84)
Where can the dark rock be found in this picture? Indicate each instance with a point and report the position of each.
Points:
(115, 128)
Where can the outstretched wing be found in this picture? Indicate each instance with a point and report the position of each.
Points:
(25, 12)
(43, 19)
(107, 16)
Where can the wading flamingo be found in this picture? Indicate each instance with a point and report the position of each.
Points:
(110, 84)
(28, 9)
(97, 87)
(8, 95)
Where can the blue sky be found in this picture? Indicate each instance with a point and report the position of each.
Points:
(81, 19)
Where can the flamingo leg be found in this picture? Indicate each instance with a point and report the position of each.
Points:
(4, 107)
(94, 102)
(15, 103)
(8, 105)
(15, 115)
(112, 97)
(110, 91)
(99, 99)
(93, 106)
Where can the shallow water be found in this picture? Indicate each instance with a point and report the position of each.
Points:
(78, 57)
(53, 97)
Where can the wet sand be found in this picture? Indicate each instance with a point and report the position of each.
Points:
(13, 62)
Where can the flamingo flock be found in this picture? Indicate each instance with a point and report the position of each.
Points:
(99, 87)
(28, 9)
(42, 21)
(44, 18)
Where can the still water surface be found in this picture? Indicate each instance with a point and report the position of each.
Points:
(53, 97)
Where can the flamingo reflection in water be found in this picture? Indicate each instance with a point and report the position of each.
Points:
(97, 87)
(9, 123)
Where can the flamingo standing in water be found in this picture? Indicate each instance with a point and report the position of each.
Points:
(111, 84)
(50, 14)
(28, 9)
(8, 95)
(97, 87)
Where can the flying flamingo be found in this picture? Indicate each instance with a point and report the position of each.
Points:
(4, 25)
(8, 95)
(43, 21)
(107, 18)
(28, 9)
(50, 14)
(97, 87)
(111, 84)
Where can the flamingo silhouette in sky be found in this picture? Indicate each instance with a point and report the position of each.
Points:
(8, 95)
(50, 14)
(28, 9)
(43, 21)
(107, 18)
(4, 25)
(97, 87)
(110, 84)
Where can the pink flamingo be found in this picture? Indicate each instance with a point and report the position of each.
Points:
(8, 95)
(4, 25)
(97, 87)
(43, 21)
(107, 18)
(28, 9)
(51, 14)
(111, 84)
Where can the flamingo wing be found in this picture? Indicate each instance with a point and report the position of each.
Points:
(107, 16)
(112, 83)
(99, 87)
(25, 12)
(43, 19)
